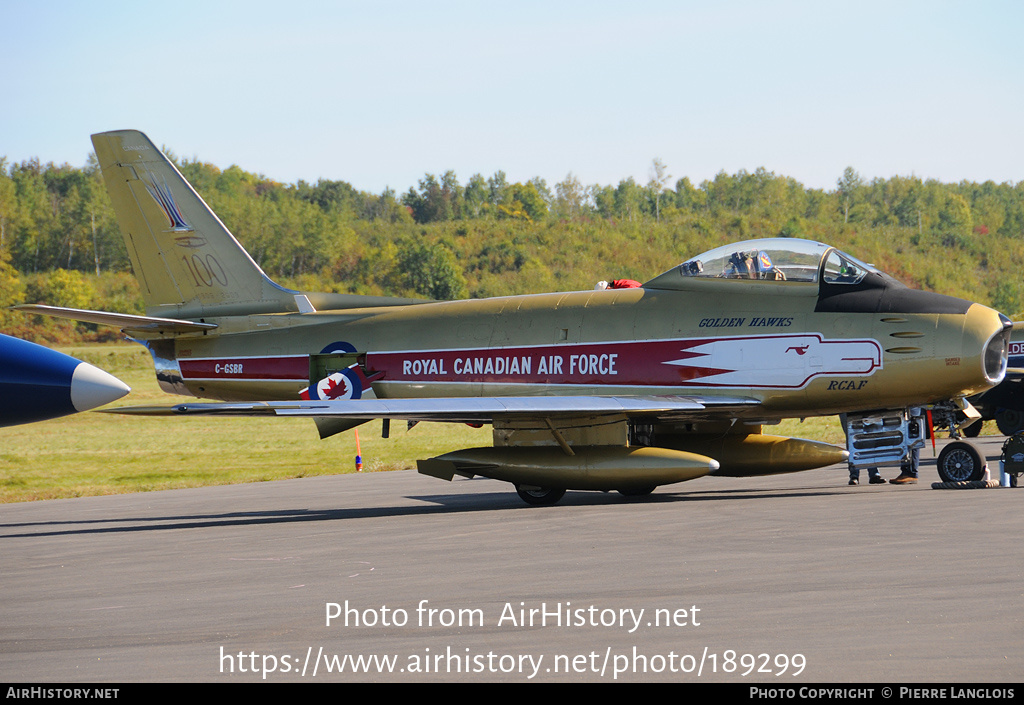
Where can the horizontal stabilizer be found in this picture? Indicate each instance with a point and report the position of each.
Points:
(143, 326)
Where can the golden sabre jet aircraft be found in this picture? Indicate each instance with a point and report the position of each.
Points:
(619, 389)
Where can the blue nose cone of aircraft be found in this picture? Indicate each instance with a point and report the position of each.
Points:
(37, 383)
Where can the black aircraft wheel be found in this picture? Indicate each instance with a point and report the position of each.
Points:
(974, 430)
(540, 496)
(960, 462)
(637, 491)
(1009, 421)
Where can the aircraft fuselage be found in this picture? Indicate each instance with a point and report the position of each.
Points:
(761, 340)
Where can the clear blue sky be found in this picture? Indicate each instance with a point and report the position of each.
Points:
(378, 94)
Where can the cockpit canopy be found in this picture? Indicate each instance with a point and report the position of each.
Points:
(778, 259)
(803, 267)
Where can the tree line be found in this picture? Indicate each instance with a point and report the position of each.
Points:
(60, 243)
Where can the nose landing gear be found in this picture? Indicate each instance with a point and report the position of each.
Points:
(960, 461)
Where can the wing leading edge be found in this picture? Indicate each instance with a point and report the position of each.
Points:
(469, 409)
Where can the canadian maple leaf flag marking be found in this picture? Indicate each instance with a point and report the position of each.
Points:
(335, 386)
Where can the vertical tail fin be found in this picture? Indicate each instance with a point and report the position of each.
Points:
(187, 263)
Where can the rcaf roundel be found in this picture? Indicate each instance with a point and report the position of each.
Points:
(340, 385)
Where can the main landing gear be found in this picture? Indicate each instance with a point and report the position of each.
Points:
(1009, 421)
(974, 430)
(539, 496)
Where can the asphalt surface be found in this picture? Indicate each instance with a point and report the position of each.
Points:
(752, 580)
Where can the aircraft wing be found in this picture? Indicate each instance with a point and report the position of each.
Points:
(129, 323)
(468, 409)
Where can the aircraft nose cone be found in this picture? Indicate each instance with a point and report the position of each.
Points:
(92, 387)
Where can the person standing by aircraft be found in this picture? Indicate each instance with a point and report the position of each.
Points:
(873, 477)
(908, 471)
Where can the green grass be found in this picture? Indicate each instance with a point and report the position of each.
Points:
(94, 453)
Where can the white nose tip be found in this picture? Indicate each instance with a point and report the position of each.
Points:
(92, 387)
